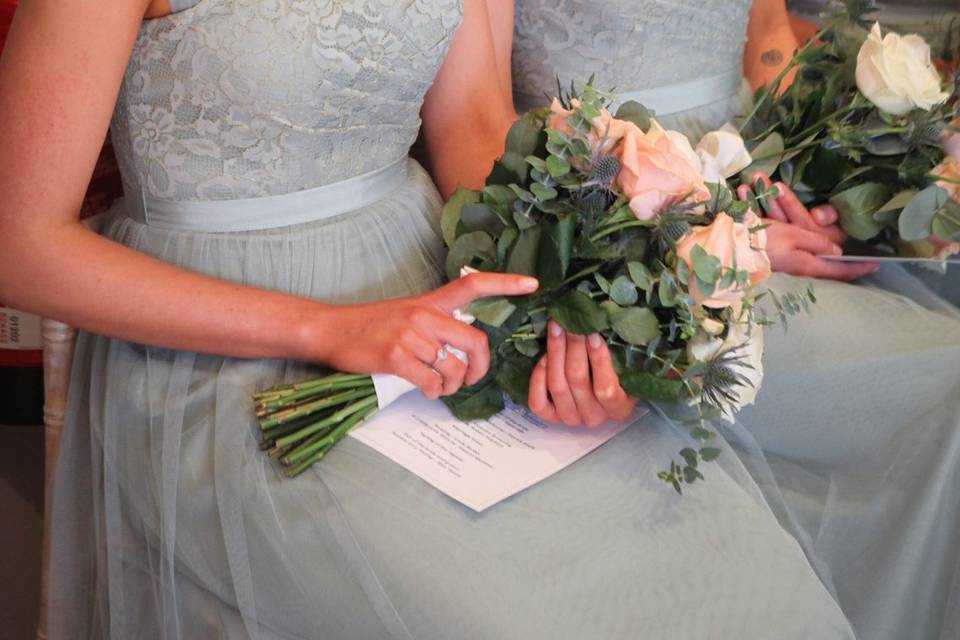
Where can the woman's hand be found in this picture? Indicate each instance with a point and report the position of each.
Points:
(575, 383)
(407, 336)
(797, 237)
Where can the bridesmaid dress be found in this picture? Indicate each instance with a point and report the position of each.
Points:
(855, 434)
(266, 143)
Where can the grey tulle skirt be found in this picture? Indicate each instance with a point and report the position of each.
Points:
(168, 522)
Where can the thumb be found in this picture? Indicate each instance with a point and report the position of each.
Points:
(465, 290)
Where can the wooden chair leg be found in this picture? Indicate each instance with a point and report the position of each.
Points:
(58, 342)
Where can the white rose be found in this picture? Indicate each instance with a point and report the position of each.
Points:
(896, 74)
(703, 346)
(722, 154)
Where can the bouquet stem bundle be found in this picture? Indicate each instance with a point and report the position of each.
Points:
(301, 422)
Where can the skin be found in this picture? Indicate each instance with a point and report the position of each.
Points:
(52, 265)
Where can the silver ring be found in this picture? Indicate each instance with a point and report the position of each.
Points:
(441, 356)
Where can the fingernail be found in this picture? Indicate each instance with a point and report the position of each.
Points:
(819, 216)
(530, 284)
(555, 329)
(543, 362)
(836, 250)
(595, 340)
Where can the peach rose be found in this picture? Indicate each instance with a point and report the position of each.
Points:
(656, 171)
(731, 243)
(559, 114)
(949, 169)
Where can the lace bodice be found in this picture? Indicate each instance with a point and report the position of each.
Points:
(628, 44)
(245, 98)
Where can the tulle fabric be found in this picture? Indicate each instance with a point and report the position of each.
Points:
(195, 535)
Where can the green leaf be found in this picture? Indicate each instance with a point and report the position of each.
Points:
(523, 256)
(542, 192)
(480, 217)
(706, 266)
(450, 218)
(504, 242)
(635, 325)
(476, 402)
(825, 171)
(516, 164)
(577, 313)
(646, 386)
(556, 249)
(709, 454)
(603, 283)
(514, 378)
(557, 166)
(634, 112)
(668, 290)
(624, 292)
(493, 311)
(523, 136)
(690, 456)
(767, 156)
(946, 225)
(894, 205)
(856, 207)
(528, 347)
(468, 247)
(641, 276)
(916, 219)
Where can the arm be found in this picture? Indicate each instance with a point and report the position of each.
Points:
(770, 42)
(465, 118)
(501, 28)
(59, 77)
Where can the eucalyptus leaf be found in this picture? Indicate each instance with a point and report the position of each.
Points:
(890, 144)
(543, 192)
(523, 136)
(706, 266)
(577, 313)
(856, 207)
(916, 219)
(624, 292)
(528, 347)
(635, 325)
(640, 275)
(946, 225)
(450, 218)
(557, 166)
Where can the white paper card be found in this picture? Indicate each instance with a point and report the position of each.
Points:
(483, 462)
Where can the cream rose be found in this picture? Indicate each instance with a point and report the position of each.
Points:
(896, 73)
(656, 170)
(722, 154)
(732, 244)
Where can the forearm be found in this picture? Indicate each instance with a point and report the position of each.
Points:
(771, 42)
(95, 284)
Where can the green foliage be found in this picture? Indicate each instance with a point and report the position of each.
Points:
(857, 207)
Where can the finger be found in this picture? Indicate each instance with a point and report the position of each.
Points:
(537, 398)
(743, 193)
(795, 210)
(465, 290)
(819, 268)
(557, 376)
(577, 368)
(774, 210)
(414, 371)
(812, 242)
(471, 341)
(453, 370)
(421, 347)
(606, 383)
(825, 215)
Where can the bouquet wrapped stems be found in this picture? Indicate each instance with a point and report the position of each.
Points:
(301, 422)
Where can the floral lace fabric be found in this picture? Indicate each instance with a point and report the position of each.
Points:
(246, 98)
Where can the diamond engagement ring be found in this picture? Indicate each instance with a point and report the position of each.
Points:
(441, 356)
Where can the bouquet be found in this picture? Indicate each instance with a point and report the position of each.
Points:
(870, 126)
(629, 239)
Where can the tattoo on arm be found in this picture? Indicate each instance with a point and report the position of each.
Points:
(771, 57)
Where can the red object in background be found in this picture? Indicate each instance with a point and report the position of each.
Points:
(104, 188)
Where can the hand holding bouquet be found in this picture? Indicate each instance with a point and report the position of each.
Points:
(870, 126)
(616, 219)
